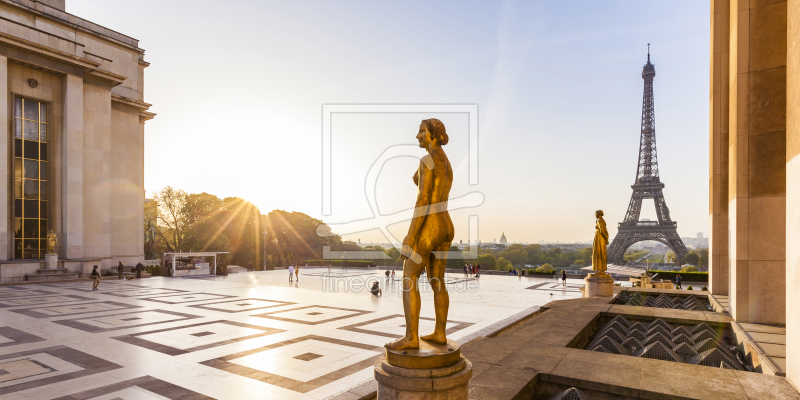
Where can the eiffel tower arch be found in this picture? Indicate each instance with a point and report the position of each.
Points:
(647, 186)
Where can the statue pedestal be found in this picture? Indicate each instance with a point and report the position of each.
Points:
(51, 261)
(598, 286)
(432, 371)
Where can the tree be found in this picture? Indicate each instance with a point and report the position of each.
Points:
(517, 256)
(547, 269)
(689, 268)
(692, 259)
(487, 261)
(172, 221)
(579, 263)
(502, 264)
(586, 254)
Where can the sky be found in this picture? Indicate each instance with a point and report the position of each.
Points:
(239, 88)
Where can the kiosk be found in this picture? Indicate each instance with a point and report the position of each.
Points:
(190, 264)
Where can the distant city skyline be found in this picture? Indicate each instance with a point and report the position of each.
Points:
(558, 90)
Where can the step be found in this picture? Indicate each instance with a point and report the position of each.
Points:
(51, 271)
(51, 277)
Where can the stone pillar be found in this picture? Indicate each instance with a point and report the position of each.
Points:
(596, 285)
(431, 372)
(793, 194)
(6, 226)
(718, 148)
(72, 168)
(757, 165)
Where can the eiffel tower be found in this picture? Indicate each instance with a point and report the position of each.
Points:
(647, 186)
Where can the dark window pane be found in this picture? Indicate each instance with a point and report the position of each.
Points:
(30, 130)
(42, 209)
(43, 152)
(43, 132)
(31, 189)
(17, 168)
(43, 190)
(31, 169)
(30, 228)
(42, 248)
(17, 228)
(17, 147)
(43, 171)
(18, 249)
(31, 209)
(43, 112)
(43, 233)
(18, 107)
(18, 188)
(31, 109)
(31, 149)
(18, 208)
(31, 251)
(17, 128)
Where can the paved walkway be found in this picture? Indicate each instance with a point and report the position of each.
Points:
(244, 336)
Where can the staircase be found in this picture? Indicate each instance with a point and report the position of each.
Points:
(49, 275)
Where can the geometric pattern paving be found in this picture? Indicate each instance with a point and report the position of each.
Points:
(72, 309)
(312, 315)
(145, 387)
(301, 364)
(34, 368)
(558, 287)
(393, 326)
(134, 319)
(189, 338)
(10, 337)
(663, 301)
(693, 344)
(187, 298)
(241, 305)
(31, 301)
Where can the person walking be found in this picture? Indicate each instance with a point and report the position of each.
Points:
(291, 273)
(564, 278)
(387, 275)
(139, 269)
(678, 280)
(392, 274)
(466, 271)
(297, 273)
(120, 270)
(477, 270)
(95, 275)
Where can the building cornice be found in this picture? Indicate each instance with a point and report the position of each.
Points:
(138, 104)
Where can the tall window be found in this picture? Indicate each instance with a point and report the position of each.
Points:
(30, 179)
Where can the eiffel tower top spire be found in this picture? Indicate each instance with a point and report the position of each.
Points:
(647, 171)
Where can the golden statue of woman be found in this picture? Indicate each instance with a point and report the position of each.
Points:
(600, 245)
(431, 230)
(51, 242)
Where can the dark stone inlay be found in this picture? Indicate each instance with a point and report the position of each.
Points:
(130, 319)
(224, 364)
(210, 306)
(178, 298)
(3, 372)
(314, 313)
(459, 325)
(18, 337)
(201, 334)
(32, 311)
(40, 300)
(134, 339)
(91, 365)
(274, 315)
(77, 324)
(308, 356)
(149, 383)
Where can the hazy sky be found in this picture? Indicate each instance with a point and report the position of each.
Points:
(239, 87)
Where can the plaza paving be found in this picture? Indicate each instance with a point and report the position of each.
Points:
(244, 336)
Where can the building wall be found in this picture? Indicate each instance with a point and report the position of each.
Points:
(718, 147)
(127, 197)
(793, 194)
(97, 177)
(757, 147)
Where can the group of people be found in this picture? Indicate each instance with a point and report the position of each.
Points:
(294, 273)
(95, 274)
(474, 270)
(389, 275)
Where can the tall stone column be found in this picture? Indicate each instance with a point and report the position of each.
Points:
(6, 239)
(793, 194)
(718, 147)
(757, 165)
(72, 167)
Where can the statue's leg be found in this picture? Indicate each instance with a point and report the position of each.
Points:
(441, 299)
(411, 305)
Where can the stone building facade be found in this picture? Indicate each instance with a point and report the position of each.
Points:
(73, 120)
(754, 175)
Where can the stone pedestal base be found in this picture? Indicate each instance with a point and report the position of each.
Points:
(51, 261)
(434, 371)
(598, 286)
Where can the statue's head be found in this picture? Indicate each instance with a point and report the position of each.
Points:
(598, 213)
(432, 131)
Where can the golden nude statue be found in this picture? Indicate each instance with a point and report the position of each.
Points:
(431, 230)
(51, 242)
(600, 245)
